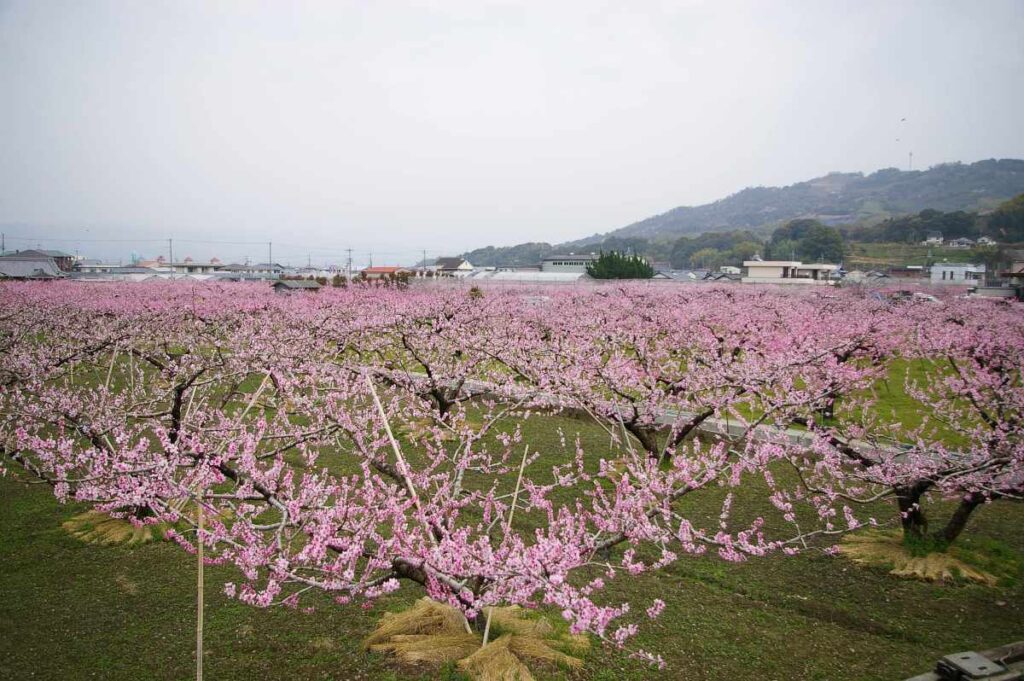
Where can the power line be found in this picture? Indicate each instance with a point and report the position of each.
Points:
(216, 241)
(40, 238)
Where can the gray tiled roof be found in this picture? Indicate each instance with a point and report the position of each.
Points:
(448, 263)
(15, 267)
(297, 283)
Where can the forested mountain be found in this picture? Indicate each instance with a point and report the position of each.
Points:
(520, 255)
(834, 199)
(842, 198)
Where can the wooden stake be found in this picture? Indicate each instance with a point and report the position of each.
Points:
(199, 599)
(508, 526)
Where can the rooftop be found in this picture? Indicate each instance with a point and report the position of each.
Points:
(19, 267)
(36, 252)
(572, 256)
(297, 284)
(449, 263)
(385, 269)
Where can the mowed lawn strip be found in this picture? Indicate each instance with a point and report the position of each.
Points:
(72, 610)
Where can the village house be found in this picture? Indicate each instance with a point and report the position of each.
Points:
(385, 272)
(960, 273)
(452, 267)
(1015, 272)
(29, 267)
(189, 266)
(788, 272)
(933, 239)
(258, 271)
(64, 261)
(286, 286)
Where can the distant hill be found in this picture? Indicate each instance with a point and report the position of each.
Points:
(835, 199)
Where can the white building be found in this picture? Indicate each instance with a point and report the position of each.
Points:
(788, 272)
(962, 242)
(567, 263)
(190, 266)
(453, 267)
(960, 273)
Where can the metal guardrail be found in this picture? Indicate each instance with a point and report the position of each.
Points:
(1005, 663)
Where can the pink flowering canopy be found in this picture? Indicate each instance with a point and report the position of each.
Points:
(354, 438)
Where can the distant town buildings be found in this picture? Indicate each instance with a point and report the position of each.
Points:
(571, 269)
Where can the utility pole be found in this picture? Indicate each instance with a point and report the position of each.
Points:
(910, 164)
(270, 255)
(3, 243)
(424, 270)
(348, 267)
(170, 251)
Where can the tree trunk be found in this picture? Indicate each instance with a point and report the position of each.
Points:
(442, 403)
(912, 517)
(694, 423)
(958, 521)
(648, 438)
(829, 410)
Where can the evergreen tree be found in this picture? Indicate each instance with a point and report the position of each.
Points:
(615, 265)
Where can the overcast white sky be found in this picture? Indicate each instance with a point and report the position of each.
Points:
(446, 126)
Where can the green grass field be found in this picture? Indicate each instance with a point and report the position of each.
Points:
(76, 611)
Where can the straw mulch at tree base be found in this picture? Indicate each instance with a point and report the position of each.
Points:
(435, 633)
(505, 658)
(95, 527)
(886, 548)
(421, 429)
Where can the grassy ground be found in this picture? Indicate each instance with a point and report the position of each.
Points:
(71, 610)
(869, 255)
